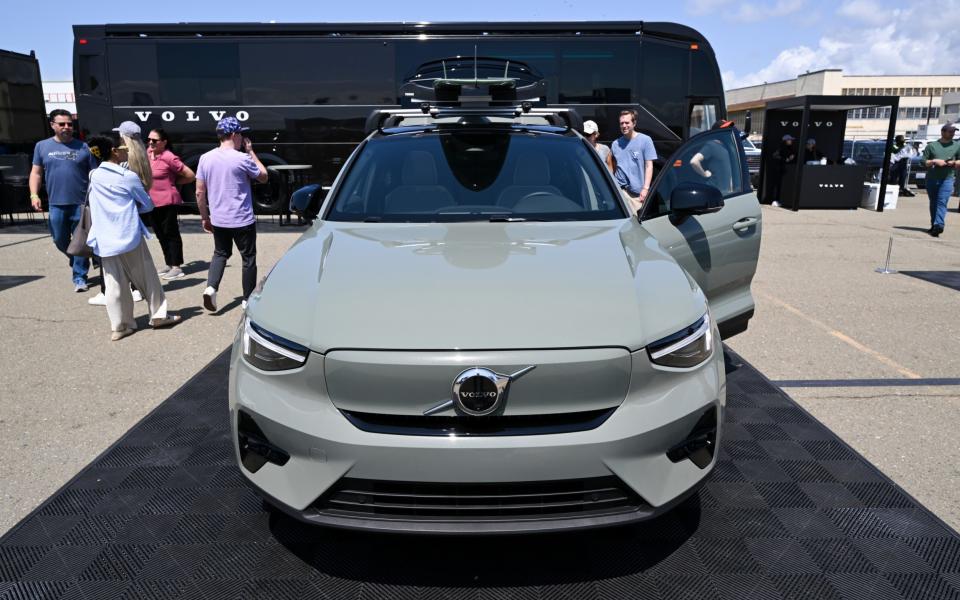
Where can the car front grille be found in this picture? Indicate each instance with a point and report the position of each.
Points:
(465, 502)
(753, 163)
(493, 425)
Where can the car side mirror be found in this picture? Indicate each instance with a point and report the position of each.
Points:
(304, 202)
(695, 199)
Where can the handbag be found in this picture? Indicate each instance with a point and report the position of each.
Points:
(78, 243)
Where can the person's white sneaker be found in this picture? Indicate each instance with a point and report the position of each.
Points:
(163, 270)
(243, 304)
(173, 273)
(774, 203)
(137, 296)
(98, 300)
(210, 299)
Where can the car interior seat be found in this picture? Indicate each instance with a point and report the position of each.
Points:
(531, 174)
(419, 191)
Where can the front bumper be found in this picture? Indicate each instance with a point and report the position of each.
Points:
(629, 449)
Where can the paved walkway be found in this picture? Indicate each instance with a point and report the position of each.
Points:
(822, 314)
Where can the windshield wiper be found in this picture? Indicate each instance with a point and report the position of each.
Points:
(509, 219)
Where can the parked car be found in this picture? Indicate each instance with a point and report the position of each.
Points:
(752, 152)
(477, 334)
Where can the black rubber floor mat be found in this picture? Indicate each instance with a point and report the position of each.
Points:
(9, 281)
(789, 512)
(950, 279)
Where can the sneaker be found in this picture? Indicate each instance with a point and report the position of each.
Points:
(165, 269)
(119, 335)
(174, 273)
(935, 231)
(98, 300)
(243, 304)
(166, 321)
(775, 203)
(137, 296)
(80, 286)
(210, 299)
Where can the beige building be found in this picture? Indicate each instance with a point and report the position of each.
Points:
(920, 99)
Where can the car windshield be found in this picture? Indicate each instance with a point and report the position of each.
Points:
(495, 174)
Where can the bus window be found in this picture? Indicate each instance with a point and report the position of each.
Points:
(663, 76)
(198, 73)
(592, 73)
(93, 75)
(318, 72)
(702, 117)
(133, 73)
(704, 75)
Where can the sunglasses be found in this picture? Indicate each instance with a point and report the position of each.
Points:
(65, 124)
(153, 140)
(121, 148)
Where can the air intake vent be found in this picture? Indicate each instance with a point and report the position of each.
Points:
(578, 498)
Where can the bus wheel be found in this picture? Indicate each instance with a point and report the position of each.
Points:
(271, 197)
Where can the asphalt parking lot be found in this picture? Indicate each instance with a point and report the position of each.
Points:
(826, 326)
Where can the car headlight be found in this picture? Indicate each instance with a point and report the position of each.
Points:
(270, 352)
(687, 348)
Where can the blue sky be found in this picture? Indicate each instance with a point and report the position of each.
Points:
(755, 41)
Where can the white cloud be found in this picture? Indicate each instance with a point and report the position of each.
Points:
(867, 11)
(916, 41)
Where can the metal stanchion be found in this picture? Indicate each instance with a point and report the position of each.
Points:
(885, 269)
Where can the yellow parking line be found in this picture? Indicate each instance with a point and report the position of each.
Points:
(842, 337)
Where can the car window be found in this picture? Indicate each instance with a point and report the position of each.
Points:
(475, 174)
(712, 159)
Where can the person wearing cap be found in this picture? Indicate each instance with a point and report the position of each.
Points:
(942, 158)
(592, 133)
(813, 153)
(63, 164)
(225, 200)
(631, 161)
(785, 154)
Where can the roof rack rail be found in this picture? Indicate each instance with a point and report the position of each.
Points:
(431, 114)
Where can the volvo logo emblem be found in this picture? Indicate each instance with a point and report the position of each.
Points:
(478, 392)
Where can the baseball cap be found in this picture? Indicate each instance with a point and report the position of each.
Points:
(230, 125)
(128, 128)
(589, 127)
(948, 125)
(812, 141)
(787, 137)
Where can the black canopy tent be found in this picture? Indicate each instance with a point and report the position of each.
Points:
(834, 185)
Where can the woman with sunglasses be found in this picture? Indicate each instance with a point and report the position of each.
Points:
(117, 235)
(168, 171)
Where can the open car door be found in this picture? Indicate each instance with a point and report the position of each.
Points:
(718, 244)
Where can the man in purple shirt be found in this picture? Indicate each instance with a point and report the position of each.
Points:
(225, 200)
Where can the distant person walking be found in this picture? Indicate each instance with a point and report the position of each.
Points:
(225, 200)
(942, 158)
(631, 161)
(117, 237)
(785, 154)
(168, 171)
(592, 133)
(63, 164)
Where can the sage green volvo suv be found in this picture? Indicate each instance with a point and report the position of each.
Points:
(477, 335)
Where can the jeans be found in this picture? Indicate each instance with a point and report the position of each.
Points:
(223, 240)
(939, 190)
(63, 220)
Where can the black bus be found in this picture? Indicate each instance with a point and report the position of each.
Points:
(307, 89)
(23, 123)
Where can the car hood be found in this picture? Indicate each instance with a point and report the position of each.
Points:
(473, 286)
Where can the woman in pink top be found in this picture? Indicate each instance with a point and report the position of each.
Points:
(168, 171)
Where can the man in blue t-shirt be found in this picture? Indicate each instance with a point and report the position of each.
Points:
(64, 165)
(631, 161)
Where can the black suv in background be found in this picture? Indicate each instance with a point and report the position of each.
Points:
(870, 153)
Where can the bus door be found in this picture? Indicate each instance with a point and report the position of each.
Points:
(702, 113)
